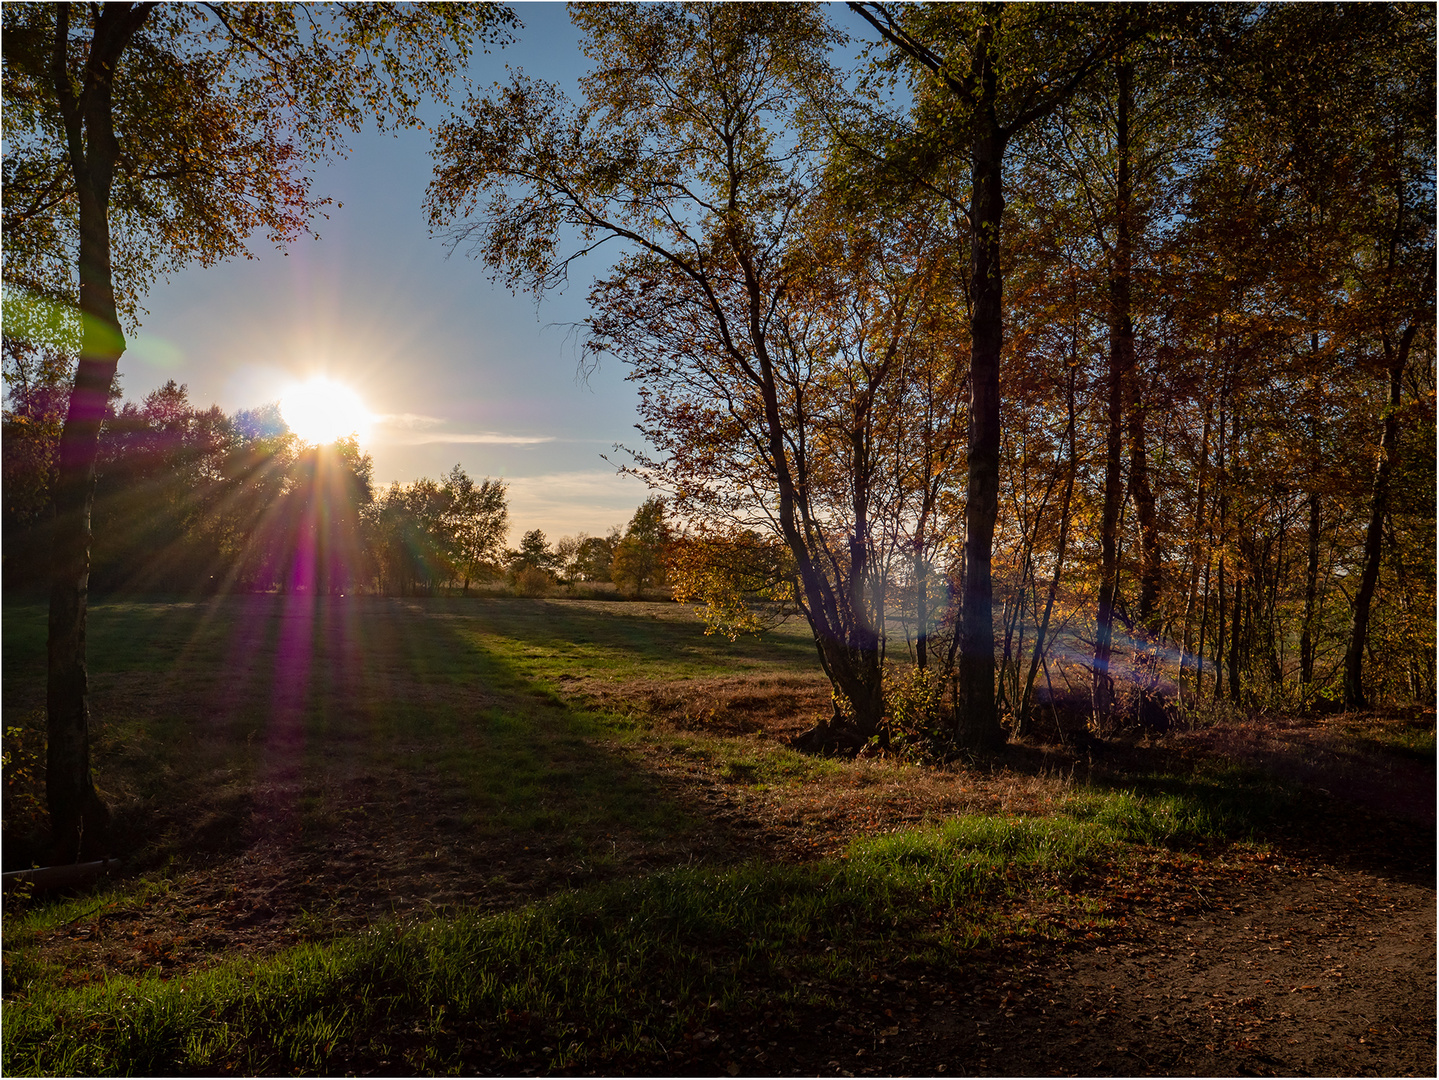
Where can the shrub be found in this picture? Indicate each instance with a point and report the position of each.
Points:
(532, 581)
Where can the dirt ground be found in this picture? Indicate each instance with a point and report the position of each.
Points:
(1315, 958)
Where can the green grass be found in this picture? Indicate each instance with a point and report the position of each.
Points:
(1212, 805)
(195, 701)
(609, 971)
(1413, 741)
(453, 692)
(599, 973)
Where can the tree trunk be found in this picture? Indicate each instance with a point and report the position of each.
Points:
(1196, 545)
(1022, 725)
(1222, 536)
(1121, 364)
(1311, 595)
(1203, 629)
(1235, 637)
(921, 605)
(78, 817)
(1373, 538)
(1150, 567)
(977, 724)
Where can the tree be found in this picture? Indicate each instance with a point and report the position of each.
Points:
(412, 543)
(37, 388)
(691, 150)
(534, 552)
(744, 579)
(160, 483)
(532, 567)
(194, 126)
(477, 519)
(593, 554)
(983, 74)
(638, 562)
(1318, 202)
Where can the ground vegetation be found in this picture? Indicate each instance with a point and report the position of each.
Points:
(421, 834)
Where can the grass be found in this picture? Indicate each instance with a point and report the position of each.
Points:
(512, 733)
(1211, 805)
(602, 972)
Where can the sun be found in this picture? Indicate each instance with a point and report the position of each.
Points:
(321, 411)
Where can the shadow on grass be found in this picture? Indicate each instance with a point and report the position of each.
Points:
(1161, 794)
(623, 637)
(229, 721)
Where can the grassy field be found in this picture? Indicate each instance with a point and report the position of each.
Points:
(506, 835)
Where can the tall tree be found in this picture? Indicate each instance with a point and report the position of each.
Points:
(984, 73)
(196, 124)
(692, 149)
(478, 520)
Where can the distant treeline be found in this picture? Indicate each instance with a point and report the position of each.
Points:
(195, 500)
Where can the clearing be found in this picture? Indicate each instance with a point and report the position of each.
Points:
(509, 836)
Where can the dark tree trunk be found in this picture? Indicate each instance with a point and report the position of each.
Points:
(1222, 480)
(921, 606)
(1311, 596)
(977, 724)
(1373, 538)
(978, 91)
(1121, 365)
(1220, 632)
(1150, 566)
(1235, 637)
(1196, 546)
(78, 817)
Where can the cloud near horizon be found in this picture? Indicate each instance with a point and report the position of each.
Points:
(492, 438)
(568, 502)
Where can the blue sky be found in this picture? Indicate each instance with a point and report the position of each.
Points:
(462, 370)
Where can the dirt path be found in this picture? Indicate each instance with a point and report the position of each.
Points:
(1317, 958)
(1330, 974)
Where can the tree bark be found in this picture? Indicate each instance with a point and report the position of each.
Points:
(1311, 596)
(921, 605)
(1196, 546)
(1150, 565)
(1121, 364)
(1354, 697)
(78, 817)
(1235, 637)
(977, 725)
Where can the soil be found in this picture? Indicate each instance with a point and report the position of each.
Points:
(1316, 956)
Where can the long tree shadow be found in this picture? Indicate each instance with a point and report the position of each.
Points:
(372, 752)
(1193, 799)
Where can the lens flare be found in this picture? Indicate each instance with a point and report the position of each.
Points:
(321, 411)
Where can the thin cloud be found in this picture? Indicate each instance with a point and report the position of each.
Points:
(407, 420)
(489, 438)
(561, 503)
